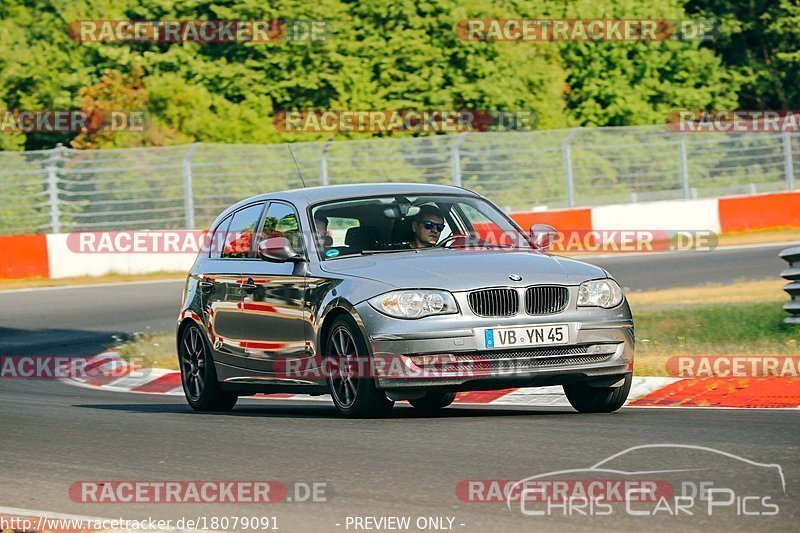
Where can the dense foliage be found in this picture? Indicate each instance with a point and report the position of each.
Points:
(397, 54)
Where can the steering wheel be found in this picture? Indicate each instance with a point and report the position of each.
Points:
(450, 239)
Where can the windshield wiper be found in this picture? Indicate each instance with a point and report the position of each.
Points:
(491, 246)
(375, 252)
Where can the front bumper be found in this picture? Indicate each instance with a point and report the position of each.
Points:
(456, 358)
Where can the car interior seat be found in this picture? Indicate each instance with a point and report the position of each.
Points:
(401, 231)
(362, 238)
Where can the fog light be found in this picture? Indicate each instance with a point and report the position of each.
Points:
(597, 349)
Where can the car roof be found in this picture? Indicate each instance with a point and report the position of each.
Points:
(311, 195)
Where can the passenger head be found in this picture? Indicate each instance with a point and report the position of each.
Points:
(321, 226)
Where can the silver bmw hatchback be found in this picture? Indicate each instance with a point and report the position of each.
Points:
(388, 292)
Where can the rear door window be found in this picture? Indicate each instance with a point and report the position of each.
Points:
(238, 242)
(282, 221)
(217, 241)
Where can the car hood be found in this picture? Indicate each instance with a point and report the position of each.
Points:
(457, 270)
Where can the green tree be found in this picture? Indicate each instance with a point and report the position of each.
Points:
(636, 83)
(759, 42)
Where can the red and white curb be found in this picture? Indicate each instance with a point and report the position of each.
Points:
(107, 371)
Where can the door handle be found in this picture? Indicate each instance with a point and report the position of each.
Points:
(249, 286)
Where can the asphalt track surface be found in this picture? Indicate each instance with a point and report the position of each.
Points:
(53, 434)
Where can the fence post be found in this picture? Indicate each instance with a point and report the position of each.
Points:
(188, 193)
(788, 164)
(455, 158)
(567, 152)
(52, 188)
(684, 165)
(323, 163)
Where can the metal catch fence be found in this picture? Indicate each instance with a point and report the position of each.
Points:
(186, 186)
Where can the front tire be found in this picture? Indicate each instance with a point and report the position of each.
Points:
(587, 399)
(198, 375)
(354, 397)
(433, 401)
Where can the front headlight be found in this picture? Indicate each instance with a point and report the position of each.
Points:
(599, 293)
(415, 303)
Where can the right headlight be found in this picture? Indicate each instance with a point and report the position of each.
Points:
(603, 293)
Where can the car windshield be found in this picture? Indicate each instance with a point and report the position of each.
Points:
(395, 224)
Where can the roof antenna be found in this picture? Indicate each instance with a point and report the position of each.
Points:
(289, 146)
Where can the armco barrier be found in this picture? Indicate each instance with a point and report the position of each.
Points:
(25, 256)
(722, 215)
(792, 256)
(66, 263)
(48, 256)
(693, 215)
(759, 211)
(563, 219)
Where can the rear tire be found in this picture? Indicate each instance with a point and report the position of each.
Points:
(586, 399)
(354, 397)
(198, 375)
(433, 401)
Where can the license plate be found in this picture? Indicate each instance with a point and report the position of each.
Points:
(526, 336)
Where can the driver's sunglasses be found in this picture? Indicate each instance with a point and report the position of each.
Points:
(429, 224)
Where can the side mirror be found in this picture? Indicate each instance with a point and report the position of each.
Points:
(277, 250)
(543, 236)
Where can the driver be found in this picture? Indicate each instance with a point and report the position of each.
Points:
(427, 226)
